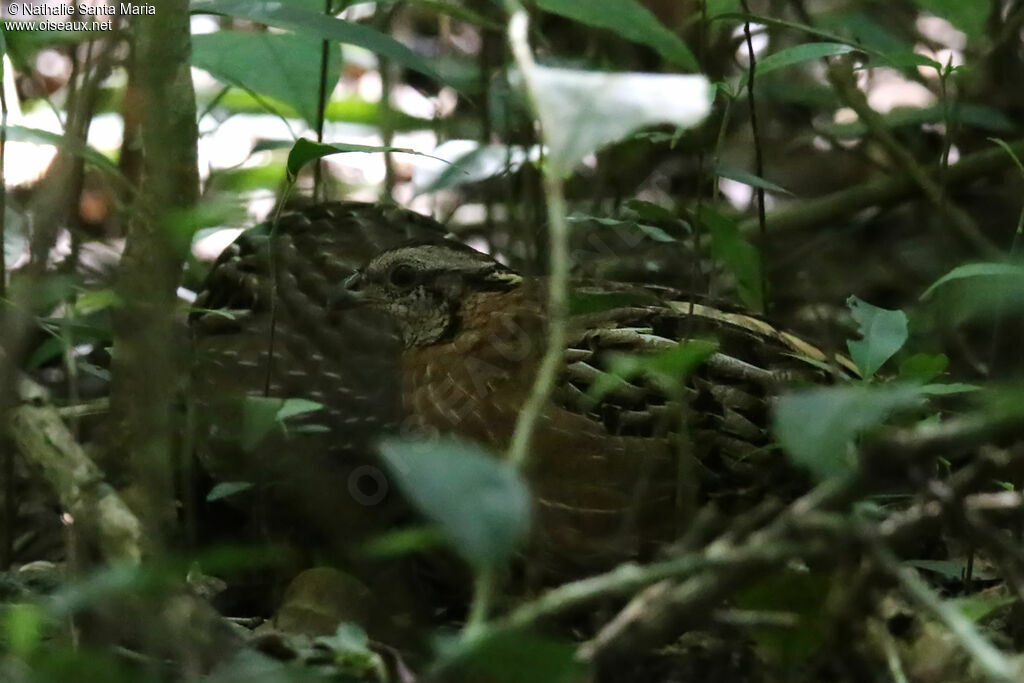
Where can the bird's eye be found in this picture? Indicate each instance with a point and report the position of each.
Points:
(402, 276)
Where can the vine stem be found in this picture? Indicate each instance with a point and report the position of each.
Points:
(557, 306)
(558, 243)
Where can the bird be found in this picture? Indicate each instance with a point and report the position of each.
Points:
(420, 333)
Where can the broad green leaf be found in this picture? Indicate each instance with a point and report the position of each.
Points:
(481, 503)
(923, 367)
(883, 333)
(750, 179)
(817, 427)
(315, 25)
(1012, 272)
(509, 656)
(798, 54)
(259, 418)
(583, 111)
(226, 489)
(967, 15)
(284, 66)
(739, 256)
(304, 151)
(629, 19)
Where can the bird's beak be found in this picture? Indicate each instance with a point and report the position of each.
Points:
(353, 283)
(349, 293)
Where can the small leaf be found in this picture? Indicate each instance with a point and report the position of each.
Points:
(977, 270)
(923, 367)
(739, 256)
(405, 541)
(304, 151)
(798, 54)
(629, 19)
(817, 427)
(259, 418)
(481, 503)
(883, 333)
(583, 111)
(750, 179)
(226, 489)
(668, 369)
(296, 406)
(980, 605)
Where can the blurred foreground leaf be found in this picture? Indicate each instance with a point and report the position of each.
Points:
(481, 503)
(583, 111)
(817, 427)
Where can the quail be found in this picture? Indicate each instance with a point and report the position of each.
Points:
(412, 330)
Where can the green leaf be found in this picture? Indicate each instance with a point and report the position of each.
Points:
(668, 369)
(583, 111)
(296, 406)
(798, 54)
(481, 503)
(23, 628)
(405, 541)
(509, 656)
(817, 427)
(923, 367)
(629, 19)
(980, 605)
(304, 151)
(750, 179)
(320, 27)
(739, 256)
(883, 333)
(978, 270)
(283, 66)
(225, 489)
(259, 418)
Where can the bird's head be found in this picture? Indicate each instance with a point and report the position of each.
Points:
(422, 286)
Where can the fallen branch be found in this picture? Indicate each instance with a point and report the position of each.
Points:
(44, 440)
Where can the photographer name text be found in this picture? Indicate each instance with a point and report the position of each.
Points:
(26, 9)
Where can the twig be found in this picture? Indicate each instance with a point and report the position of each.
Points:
(44, 440)
(841, 77)
(881, 191)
